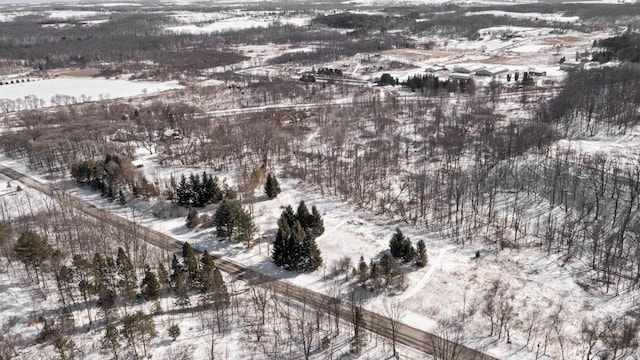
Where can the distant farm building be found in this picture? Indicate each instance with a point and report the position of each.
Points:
(435, 68)
(571, 65)
(592, 65)
(459, 76)
(535, 72)
(467, 69)
(492, 71)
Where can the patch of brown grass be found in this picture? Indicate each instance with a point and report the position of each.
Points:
(568, 39)
(90, 72)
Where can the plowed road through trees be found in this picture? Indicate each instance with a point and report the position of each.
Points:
(376, 323)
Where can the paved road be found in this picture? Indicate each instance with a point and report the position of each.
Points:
(376, 323)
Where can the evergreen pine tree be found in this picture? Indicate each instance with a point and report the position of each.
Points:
(207, 263)
(421, 258)
(220, 293)
(396, 244)
(312, 259)
(163, 277)
(193, 219)
(203, 197)
(280, 253)
(304, 216)
(296, 249)
(194, 190)
(33, 251)
(127, 281)
(104, 271)
(288, 216)
(215, 191)
(149, 287)
(363, 270)
(390, 265)
(183, 192)
(317, 224)
(176, 268)
(408, 252)
(246, 229)
(233, 223)
(191, 265)
(271, 187)
(180, 290)
(206, 272)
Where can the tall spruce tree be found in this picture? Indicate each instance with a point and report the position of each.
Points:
(421, 257)
(396, 245)
(304, 216)
(271, 187)
(183, 192)
(220, 294)
(281, 255)
(180, 290)
(317, 224)
(311, 257)
(127, 280)
(150, 286)
(206, 272)
(191, 264)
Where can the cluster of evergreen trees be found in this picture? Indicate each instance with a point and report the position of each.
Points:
(112, 177)
(198, 273)
(401, 248)
(387, 79)
(387, 271)
(295, 247)
(233, 223)
(197, 191)
(431, 84)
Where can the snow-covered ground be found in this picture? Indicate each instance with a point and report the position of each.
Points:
(557, 17)
(233, 23)
(454, 279)
(48, 92)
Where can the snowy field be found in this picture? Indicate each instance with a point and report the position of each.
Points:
(234, 23)
(63, 90)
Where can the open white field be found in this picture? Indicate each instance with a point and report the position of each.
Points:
(63, 91)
